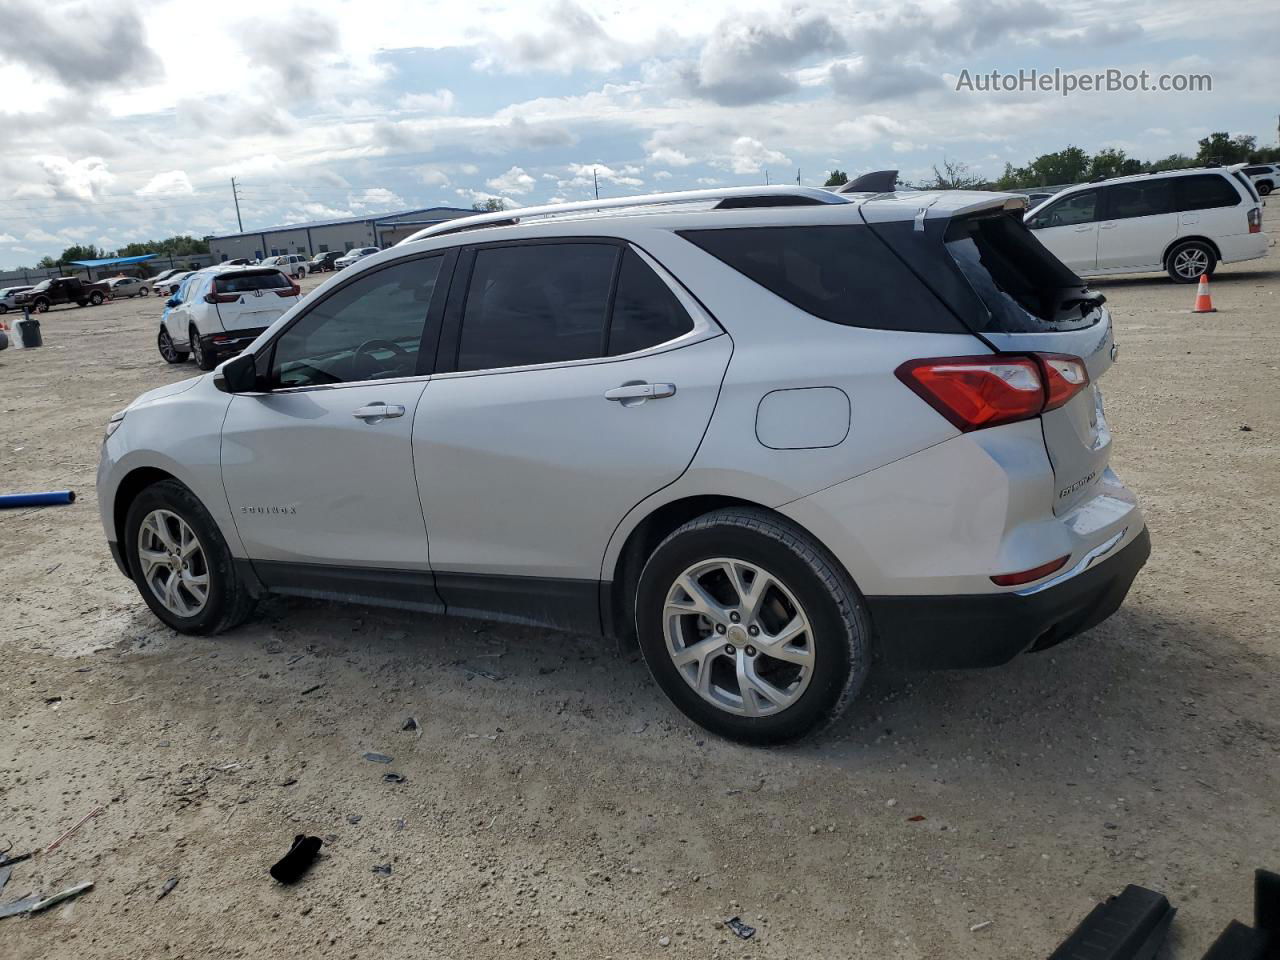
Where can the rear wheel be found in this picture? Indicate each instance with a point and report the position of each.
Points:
(181, 563)
(144, 292)
(1188, 262)
(96, 298)
(198, 353)
(751, 627)
(1264, 189)
(170, 353)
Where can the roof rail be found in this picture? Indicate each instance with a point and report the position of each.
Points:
(730, 197)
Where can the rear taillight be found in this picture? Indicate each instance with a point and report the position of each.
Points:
(978, 392)
(221, 297)
(1255, 220)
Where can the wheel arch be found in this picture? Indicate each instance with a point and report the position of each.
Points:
(1179, 241)
(618, 589)
(133, 483)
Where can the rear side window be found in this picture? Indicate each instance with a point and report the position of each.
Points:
(645, 311)
(248, 282)
(1024, 288)
(1140, 198)
(1204, 192)
(1249, 188)
(536, 303)
(844, 274)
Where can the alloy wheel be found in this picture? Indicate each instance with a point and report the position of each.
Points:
(739, 637)
(173, 563)
(1191, 262)
(166, 347)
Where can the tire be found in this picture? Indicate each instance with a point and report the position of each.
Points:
(202, 359)
(227, 602)
(171, 354)
(96, 298)
(4, 308)
(144, 292)
(806, 584)
(1188, 262)
(82, 303)
(40, 306)
(1264, 189)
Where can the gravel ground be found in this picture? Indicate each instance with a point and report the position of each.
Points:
(556, 804)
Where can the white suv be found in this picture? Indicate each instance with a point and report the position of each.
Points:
(771, 432)
(295, 265)
(1185, 222)
(351, 256)
(218, 311)
(1265, 176)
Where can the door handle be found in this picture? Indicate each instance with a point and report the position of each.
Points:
(639, 392)
(1084, 227)
(378, 411)
(1109, 225)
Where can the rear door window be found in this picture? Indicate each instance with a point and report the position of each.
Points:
(1204, 192)
(842, 274)
(645, 310)
(1140, 198)
(536, 303)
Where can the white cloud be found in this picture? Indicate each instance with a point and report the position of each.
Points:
(8, 238)
(377, 197)
(76, 180)
(172, 183)
(749, 155)
(439, 102)
(514, 180)
(671, 157)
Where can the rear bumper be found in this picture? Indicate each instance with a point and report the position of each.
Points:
(229, 342)
(985, 630)
(1244, 246)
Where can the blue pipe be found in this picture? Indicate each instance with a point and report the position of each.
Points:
(37, 499)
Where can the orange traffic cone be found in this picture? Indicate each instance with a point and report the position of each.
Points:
(1204, 303)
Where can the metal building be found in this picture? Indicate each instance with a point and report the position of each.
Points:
(319, 236)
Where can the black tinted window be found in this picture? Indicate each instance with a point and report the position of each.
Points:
(645, 311)
(539, 303)
(248, 282)
(1205, 191)
(370, 329)
(843, 274)
(1141, 198)
(1077, 208)
(1251, 171)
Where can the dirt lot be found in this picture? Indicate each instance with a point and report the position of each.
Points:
(555, 803)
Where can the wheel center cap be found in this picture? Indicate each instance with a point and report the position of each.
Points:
(737, 635)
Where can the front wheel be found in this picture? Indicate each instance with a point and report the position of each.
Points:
(41, 306)
(1188, 262)
(171, 354)
(181, 563)
(751, 627)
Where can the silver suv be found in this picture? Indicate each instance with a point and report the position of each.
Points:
(773, 433)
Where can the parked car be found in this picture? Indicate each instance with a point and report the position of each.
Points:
(1036, 198)
(323, 262)
(351, 256)
(128, 287)
(1265, 176)
(1185, 222)
(218, 312)
(154, 282)
(169, 286)
(9, 297)
(756, 439)
(63, 290)
(238, 262)
(294, 264)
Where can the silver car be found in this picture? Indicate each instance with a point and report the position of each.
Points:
(9, 297)
(769, 433)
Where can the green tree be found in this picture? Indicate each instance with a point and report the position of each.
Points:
(491, 205)
(47, 263)
(954, 175)
(838, 178)
(179, 246)
(80, 252)
(1174, 161)
(1112, 163)
(1223, 148)
(1066, 166)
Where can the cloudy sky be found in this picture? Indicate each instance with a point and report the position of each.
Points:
(125, 121)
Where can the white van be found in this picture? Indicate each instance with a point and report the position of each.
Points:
(1185, 222)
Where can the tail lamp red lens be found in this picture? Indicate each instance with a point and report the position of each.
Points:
(1026, 576)
(1255, 220)
(987, 391)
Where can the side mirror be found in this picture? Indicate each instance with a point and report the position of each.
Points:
(172, 302)
(238, 375)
